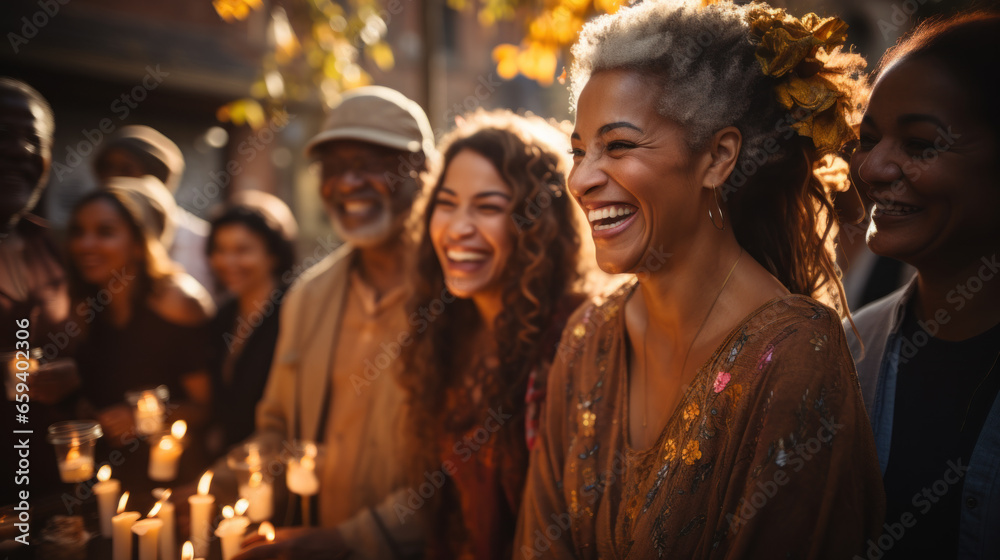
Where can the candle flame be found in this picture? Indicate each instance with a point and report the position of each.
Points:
(187, 551)
(155, 510)
(256, 478)
(122, 502)
(266, 530)
(162, 495)
(74, 452)
(311, 450)
(104, 473)
(167, 443)
(205, 483)
(242, 505)
(178, 429)
(228, 512)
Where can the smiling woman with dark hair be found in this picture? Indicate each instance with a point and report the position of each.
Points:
(928, 158)
(507, 277)
(251, 250)
(143, 319)
(709, 409)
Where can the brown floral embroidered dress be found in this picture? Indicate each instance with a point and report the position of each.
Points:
(768, 454)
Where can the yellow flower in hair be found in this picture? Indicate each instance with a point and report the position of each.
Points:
(786, 42)
(798, 50)
(814, 94)
(829, 129)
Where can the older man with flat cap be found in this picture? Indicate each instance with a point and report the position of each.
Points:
(334, 375)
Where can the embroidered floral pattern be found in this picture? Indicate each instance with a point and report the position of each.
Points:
(765, 358)
(691, 411)
(670, 450)
(655, 500)
(721, 380)
(692, 452)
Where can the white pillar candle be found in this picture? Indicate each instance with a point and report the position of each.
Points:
(121, 531)
(166, 452)
(168, 534)
(149, 537)
(202, 505)
(107, 490)
(148, 414)
(163, 459)
(230, 532)
(260, 493)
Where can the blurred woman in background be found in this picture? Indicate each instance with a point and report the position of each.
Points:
(251, 251)
(144, 321)
(927, 357)
(138, 150)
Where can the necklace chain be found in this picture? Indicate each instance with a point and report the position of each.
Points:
(645, 362)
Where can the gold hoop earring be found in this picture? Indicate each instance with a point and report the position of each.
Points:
(718, 206)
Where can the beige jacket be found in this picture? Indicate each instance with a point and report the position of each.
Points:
(293, 400)
(300, 372)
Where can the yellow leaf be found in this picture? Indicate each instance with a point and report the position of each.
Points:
(381, 54)
(505, 51)
(507, 68)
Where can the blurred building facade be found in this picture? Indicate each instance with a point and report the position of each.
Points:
(104, 64)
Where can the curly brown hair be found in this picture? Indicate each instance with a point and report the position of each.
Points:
(540, 275)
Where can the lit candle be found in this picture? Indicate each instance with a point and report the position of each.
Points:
(166, 453)
(202, 505)
(107, 490)
(121, 531)
(187, 552)
(266, 530)
(260, 493)
(148, 531)
(168, 535)
(301, 476)
(232, 528)
(148, 414)
(76, 466)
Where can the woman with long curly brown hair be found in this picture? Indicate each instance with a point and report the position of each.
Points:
(711, 408)
(497, 269)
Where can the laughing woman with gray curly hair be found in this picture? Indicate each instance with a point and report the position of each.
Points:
(711, 408)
